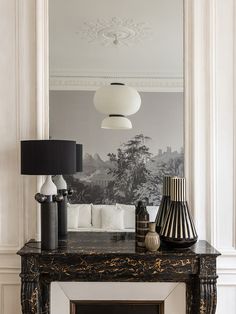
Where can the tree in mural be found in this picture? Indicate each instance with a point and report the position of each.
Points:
(130, 169)
(84, 193)
(151, 189)
(175, 166)
(130, 174)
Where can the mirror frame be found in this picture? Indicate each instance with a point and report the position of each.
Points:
(199, 59)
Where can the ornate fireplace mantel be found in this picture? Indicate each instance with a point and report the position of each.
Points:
(112, 257)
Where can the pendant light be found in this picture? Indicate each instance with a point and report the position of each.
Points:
(117, 101)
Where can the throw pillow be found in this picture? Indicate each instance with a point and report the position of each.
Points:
(129, 215)
(72, 217)
(112, 218)
(84, 214)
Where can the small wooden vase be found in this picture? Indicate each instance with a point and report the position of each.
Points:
(152, 239)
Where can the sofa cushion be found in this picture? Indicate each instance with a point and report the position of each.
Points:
(72, 217)
(129, 215)
(112, 218)
(96, 216)
(81, 214)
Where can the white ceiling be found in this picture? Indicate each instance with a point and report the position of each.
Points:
(78, 56)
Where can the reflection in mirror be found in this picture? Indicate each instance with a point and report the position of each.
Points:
(137, 43)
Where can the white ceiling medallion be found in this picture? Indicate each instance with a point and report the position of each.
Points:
(115, 32)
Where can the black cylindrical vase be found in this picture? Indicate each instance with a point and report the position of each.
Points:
(165, 204)
(49, 225)
(62, 215)
(178, 230)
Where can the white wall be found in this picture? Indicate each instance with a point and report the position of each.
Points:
(225, 152)
(17, 120)
(210, 135)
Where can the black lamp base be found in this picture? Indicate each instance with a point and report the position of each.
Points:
(49, 220)
(49, 226)
(62, 218)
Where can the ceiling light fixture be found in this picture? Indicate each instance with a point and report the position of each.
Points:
(117, 101)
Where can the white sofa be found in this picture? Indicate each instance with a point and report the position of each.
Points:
(104, 218)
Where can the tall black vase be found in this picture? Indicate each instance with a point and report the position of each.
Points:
(165, 204)
(178, 229)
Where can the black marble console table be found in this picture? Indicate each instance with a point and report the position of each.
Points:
(113, 257)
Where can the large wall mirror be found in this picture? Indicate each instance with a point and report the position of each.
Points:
(138, 43)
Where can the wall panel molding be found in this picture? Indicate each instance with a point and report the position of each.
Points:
(27, 109)
(9, 297)
(18, 121)
(18, 96)
(234, 126)
(42, 75)
(227, 280)
(200, 165)
(210, 131)
(9, 156)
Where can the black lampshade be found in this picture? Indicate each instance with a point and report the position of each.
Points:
(79, 157)
(48, 157)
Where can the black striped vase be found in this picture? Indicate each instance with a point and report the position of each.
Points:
(165, 204)
(178, 229)
(142, 228)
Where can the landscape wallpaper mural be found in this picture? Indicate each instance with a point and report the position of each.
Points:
(121, 166)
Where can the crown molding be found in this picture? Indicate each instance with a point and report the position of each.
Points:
(147, 84)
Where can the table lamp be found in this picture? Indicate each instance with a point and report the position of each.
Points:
(63, 190)
(48, 157)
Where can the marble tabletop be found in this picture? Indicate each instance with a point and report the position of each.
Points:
(99, 243)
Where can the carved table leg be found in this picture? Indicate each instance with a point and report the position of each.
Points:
(30, 288)
(207, 277)
(207, 301)
(29, 296)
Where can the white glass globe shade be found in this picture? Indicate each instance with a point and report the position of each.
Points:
(117, 99)
(116, 123)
